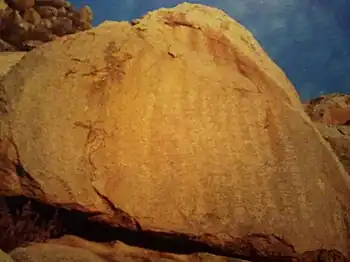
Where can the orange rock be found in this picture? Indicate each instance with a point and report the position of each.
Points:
(178, 123)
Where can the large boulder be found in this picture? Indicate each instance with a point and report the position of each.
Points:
(177, 124)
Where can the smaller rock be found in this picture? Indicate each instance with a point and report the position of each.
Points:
(86, 14)
(20, 5)
(62, 11)
(63, 26)
(331, 109)
(31, 44)
(46, 11)
(25, 29)
(32, 16)
(47, 23)
(53, 253)
(54, 3)
(41, 33)
(3, 5)
(4, 257)
(6, 47)
(322, 256)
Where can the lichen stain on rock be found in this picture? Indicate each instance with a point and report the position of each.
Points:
(113, 72)
(219, 47)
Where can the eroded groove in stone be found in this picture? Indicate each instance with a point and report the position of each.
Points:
(254, 247)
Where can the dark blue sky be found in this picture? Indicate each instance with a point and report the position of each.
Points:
(308, 39)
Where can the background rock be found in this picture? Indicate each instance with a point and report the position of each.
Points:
(27, 24)
(5, 257)
(330, 109)
(20, 5)
(331, 114)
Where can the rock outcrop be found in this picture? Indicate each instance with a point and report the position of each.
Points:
(331, 114)
(26, 24)
(175, 129)
(331, 109)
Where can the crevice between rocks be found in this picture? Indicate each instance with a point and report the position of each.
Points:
(62, 220)
(255, 247)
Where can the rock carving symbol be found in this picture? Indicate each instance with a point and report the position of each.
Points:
(95, 138)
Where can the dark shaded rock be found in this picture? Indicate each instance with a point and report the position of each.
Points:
(54, 3)
(63, 26)
(331, 116)
(20, 5)
(32, 16)
(331, 109)
(46, 11)
(6, 47)
(338, 136)
(31, 44)
(322, 255)
(25, 25)
(47, 23)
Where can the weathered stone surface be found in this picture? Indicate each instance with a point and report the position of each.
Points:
(53, 253)
(20, 5)
(28, 26)
(6, 47)
(331, 114)
(32, 16)
(331, 109)
(5, 257)
(71, 248)
(3, 5)
(119, 251)
(180, 125)
(8, 60)
(54, 3)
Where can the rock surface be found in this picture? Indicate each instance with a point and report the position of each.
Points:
(331, 114)
(26, 24)
(8, 60)
(5, 257)
(119, 251)
(71, 248)
(54, 253)
(176, 126)
(331, 109)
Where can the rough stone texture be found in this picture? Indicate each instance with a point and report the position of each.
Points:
(178, 124)
(3, 5)
(71, 248)
(119, 251)
(8, 60)
(27, 24)
(20, 5)
(5, 257)
(331, 114)
(339, 138)
(53, 253)
(331, 109)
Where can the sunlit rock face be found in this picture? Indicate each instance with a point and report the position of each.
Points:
(177, 123)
